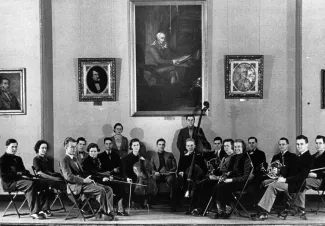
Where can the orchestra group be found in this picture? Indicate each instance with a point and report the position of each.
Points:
(203, 175)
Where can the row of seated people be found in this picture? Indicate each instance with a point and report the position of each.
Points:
(291, 171)
(235, 168)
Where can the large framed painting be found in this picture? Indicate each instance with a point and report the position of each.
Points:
(97, 79)
(13, 91)
(323, 88)
(167, 55)
(244, 76)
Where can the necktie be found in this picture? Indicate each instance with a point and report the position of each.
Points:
(76, 163)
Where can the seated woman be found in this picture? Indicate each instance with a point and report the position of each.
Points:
(238, 172)
(92, 166)
(120, 143)
(45, 170)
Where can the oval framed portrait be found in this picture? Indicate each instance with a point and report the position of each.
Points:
(96, 77)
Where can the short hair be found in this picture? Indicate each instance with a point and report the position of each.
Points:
(285, 139)
(320, 137)
(242, 142)
(252, 138)
(68, 140)
(187, 116)
(92, 145)
(190, 139)
(38, 145)
(133, 141)
(302, 137)
(231, 142)
(81, 139)
(161, 139)
(217, 138)
(107, 138)
(118, 124)
(11, 141)
(160, 33)
(2, 79)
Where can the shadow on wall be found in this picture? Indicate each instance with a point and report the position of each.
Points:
(107, 131)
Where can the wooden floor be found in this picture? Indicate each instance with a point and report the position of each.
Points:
(160, 215)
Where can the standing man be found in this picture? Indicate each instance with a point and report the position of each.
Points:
(316, 178)
(290, 184)
(188, 132)
(164, 167)
(79, 182)
(81, 153)
(15, 177)
(8, 101)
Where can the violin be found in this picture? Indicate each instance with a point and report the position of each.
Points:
(147, 184)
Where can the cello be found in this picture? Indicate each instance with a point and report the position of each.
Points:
(194, 171)
(143, 169)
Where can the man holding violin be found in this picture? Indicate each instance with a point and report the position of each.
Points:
(15, 177)
(164, 166)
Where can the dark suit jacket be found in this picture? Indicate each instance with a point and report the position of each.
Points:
(10, 166)
(169, 159)
(109, 164)
(319, 162)
(186, 160)
(8, 104)
(289, 160)
(303, 165)
(257, 157)
(124, 149)
(73, 174)
(184, 135)
(92, 87)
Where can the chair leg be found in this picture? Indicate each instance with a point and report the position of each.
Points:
(207, 207)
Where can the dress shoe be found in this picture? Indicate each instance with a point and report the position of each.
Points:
(109, 216)
(46, 213)
(37, 216)
(124, 213)
(196, 212)
(260, 217)
(225, 215)
(302, 215)
(216, 216)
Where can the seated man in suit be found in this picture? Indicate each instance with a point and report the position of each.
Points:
(79, 182)
(287, 160)
(110, 162)
(316, 178)
(81, 153)
(199, 172)
(290, 184)
(188, 132)
(15, 177)
(164, 166)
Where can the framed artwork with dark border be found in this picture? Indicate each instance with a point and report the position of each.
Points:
(322, 74)
(244, 76)
(13, 91)
(96, 79)
(168, 45)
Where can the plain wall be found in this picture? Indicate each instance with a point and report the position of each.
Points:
(313, 34)
(99, 28)
(20, 48)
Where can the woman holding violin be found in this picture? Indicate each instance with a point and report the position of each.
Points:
(235, 179)
(93, 166)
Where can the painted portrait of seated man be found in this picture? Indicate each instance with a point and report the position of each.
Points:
(8, 100)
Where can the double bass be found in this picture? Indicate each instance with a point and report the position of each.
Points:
(194, 171)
